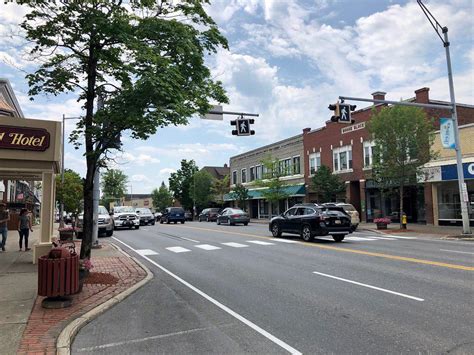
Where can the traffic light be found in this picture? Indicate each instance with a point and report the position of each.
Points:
(342, 112)
(337, 114)
(243, 127)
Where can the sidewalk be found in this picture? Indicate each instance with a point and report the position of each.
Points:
(27, 328)
(418, 230)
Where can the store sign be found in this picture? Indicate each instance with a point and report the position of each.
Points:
(353, 128)
(430, 174)
(23, 138)
(449, 172)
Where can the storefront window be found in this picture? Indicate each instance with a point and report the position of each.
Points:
(449, 203)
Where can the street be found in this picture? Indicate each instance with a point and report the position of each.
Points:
(223, 289)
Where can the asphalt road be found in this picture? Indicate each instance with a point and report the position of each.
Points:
(222, 289)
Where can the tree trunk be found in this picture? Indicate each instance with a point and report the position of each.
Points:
(401, 206)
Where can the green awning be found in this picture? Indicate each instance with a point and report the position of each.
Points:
(291, 190)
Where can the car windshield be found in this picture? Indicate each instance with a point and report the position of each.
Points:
(235, 211)
(103, 210)
(143, 210)
(123, 209)
(176, 210)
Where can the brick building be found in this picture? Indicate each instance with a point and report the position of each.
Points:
(347, 150)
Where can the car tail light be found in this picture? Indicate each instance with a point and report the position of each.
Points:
(234, 216)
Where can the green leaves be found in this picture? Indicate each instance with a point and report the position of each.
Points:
(161, 197)
(70, 192)
(182, 181)
(114, 185)
(241, 195)
(326, 185)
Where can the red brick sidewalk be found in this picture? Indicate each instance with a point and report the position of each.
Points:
(45, 325)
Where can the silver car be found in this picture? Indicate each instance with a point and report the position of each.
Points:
(104, 222)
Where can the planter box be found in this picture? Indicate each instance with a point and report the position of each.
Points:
(69, 235)
(381, 225)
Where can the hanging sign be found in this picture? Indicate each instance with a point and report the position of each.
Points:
(447, 133)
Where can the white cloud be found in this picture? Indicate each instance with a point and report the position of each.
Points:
(140, 178)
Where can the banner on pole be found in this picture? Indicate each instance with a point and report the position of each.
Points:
(447, 133)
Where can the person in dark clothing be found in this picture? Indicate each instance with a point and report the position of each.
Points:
(4, 217)
(24, 227)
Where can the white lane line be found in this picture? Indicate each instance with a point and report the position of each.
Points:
(178, 249)
(289, 241)
(382, 238)
(143, 229)
(259, 242)
(234, 314)
(189, 239)
(360, 238)
(235, 245)
(369, 286)
(143, 252)
(398, 237)
(457, 251)
(207, 247)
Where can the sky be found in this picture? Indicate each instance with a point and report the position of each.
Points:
(287, 61)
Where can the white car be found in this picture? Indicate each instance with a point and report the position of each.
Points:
(105, 223)
(125, 217)
(145, 216)
(351, 211)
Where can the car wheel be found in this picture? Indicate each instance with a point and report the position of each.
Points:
(153, 223)
(218, 222)
(338, 237)
(130, 227)
(109, 233)
(231, 223)
(246, 223)
(115, 228)
(161, 222)
(175, 222)
(306, 233)
(182, 222)
(276, 231)
(167, 221)
(137, 227)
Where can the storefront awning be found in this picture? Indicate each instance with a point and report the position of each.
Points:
(255, 194)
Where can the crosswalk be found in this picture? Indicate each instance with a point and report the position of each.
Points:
(210, 247)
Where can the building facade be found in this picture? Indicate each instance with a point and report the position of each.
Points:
(441, 181)
(248, 168)
(347, 151)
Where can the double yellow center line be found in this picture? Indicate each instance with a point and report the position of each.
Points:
(347, 250)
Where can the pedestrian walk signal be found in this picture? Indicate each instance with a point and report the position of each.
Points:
(342, 112)
(243, 127)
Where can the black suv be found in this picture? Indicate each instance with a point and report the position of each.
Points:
(209, 214)
(173, 214)
(310, 220)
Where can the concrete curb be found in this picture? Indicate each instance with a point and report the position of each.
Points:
(63, 344)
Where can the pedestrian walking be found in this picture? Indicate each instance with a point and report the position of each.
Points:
(4, 217)
(24, 227)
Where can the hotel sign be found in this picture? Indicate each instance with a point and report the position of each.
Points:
(24, 138)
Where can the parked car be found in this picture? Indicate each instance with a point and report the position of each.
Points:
(125, 217)
(104, 222)
(232, 216)
(351, 211)
(145, 215)
(209, 214)
(173, 214)
(188, 216)
(311, 220)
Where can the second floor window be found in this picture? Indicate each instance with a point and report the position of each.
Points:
(252, 173)
(296, 165)
(258, 172)
(368, 154)
(244, 176)
(285, 167)
(314, 162)
(234, 177)
(342, 158)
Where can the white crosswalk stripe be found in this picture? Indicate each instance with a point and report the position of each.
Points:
(289, 241)
(398, 237)
(235, 245)
(259, 242)
(361, 238)
(207, 247)
(178, 249)
(146, 252)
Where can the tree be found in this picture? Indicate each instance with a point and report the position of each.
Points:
(201, 189)
(70, 192)
(403, 137)
(274, 191)
(326, 185)
(161, 197)
(114, 186)
(144, 58)
(181, 181)
(241, 195)
(220, 188)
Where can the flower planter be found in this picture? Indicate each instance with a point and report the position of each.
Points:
(66, 235)
(381, 225)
